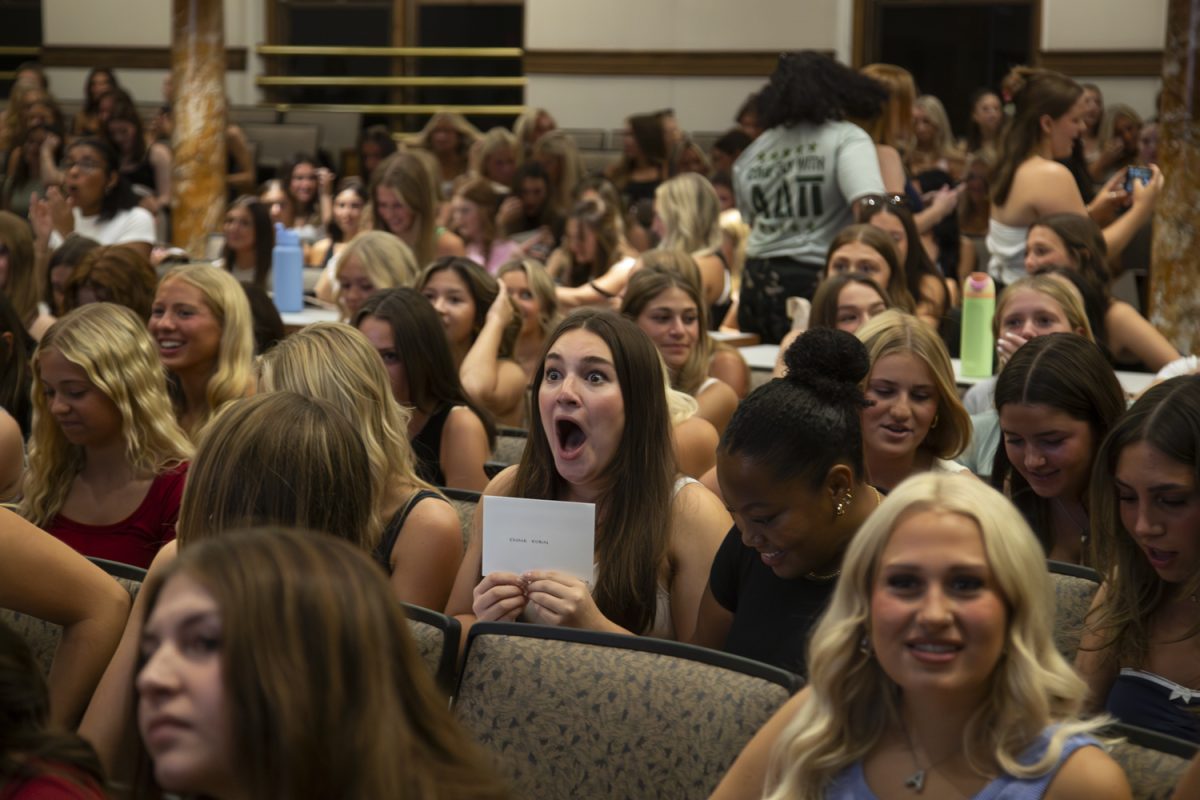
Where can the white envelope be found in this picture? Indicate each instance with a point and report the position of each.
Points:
(521, 535)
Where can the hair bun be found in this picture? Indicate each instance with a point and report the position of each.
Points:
(828, 361)
(1019, 79)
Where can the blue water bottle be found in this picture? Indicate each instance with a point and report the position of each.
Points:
(287, 271)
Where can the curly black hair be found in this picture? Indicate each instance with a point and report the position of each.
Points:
(807, 421)
(808, 86)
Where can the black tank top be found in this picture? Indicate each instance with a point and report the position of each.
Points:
(427, 447)
(383, 550)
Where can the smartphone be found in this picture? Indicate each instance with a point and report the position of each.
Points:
(1140, 174)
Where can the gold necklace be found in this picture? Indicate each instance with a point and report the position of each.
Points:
(812, 575)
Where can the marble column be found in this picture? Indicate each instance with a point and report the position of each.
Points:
(1175, 268)
(198, 70)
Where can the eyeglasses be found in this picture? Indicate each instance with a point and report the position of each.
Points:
(85, 164)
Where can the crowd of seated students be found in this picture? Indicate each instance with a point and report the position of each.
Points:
(822, 522)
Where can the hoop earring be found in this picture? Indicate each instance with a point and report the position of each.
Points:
(936, 419)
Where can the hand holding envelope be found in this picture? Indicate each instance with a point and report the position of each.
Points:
(555, 598)
(499, 597)
(537, 554)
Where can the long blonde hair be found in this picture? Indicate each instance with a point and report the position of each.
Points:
(542, 286)
(558, 144)
(225, 298)
(854, 701)
(1055, 287)
(493, 141)
(690, 212)
(523, 129)
(111, 345)
(893, 332)
(387, 260)
(334, 362)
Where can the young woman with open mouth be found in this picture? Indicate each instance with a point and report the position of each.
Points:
(95, 201)
(601, 433)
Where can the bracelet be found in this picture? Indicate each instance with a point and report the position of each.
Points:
(602, 292)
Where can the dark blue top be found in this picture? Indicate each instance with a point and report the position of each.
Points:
(1153, 702)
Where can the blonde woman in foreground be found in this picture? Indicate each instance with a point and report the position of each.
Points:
(934, 672)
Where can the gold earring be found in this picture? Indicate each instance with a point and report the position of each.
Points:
(933, 424)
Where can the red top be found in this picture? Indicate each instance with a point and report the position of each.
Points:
(48, 786)
(136, 539)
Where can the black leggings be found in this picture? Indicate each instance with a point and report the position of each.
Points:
(767, 283)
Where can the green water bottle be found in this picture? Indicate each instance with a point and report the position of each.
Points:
(977, 344)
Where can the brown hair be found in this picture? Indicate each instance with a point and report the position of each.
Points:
(1167, 418)
(20, 285)
(315, 650)
(420, 343)
(279, 459)
(605, 224)
(116, 274)
(829, 291)
(662, 270)
(897, 110)
(633, 518)
(410, 177)
(483, 288)
(480, 192)
(897, 286)
(1036, 93)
